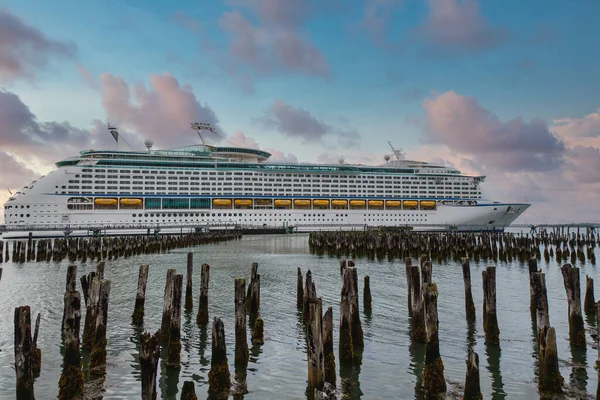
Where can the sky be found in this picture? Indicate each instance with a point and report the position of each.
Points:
(506, 89)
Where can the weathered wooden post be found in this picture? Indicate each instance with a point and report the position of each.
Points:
(140, 299)
(314, 347)
(434, 383)
(219, 378)
(253, 295)
(328, 354)
(189, 301)
(202, 317)
(167, 304)
(469, 303)
(417, 322)
(70, 385)
(97, 363)
(71, 284)
(258, 334)
(241, 340)
(299, 290)
(188, 392)
(550, 380)
(351, 334)
(367, 294)
(310, 292)
(472, 386)
(174, 353)
(36, 353)
(589, 300)
(407, 265)
(540, 296)
(149, 356)
(533, 268)
(572, 287)
(92, 288)
(490, 318)
(23, 359)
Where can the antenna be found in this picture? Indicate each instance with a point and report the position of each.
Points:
(399, 154)
(202, 126)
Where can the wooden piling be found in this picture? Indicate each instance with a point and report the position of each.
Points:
(219, 378)
(36, 353)
(589, 300)
(70, 285)
(572, 287)
(407, 265)
(346, 346)
(189, 300)
(258, 332)
(174, 339)
(550, 380)
(434, 383)
(417, 322)
(540, 298)
(299, 290)
(97, 363)
(533, 268)
(472, 386)
(310, 292)
(70, 385)
(149, 356)
(314, 347)
(167, 304)
(367, 294)
(140, 299)
(328, 353)
(253, 295)
(490, 318)
(469, 303)
(188, 392)
(241, 340)
(23, 359)
(202, 317)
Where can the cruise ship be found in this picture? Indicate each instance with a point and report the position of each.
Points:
(204, 185)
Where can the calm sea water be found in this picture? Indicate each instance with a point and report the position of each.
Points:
(278, 370)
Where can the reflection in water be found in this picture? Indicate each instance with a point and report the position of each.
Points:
(137, 330)
(188, 331)
(169, 377)
(416, 352)
(471, 338)
(349, 374)
(493, 359)
(204, 362)
(578, 376)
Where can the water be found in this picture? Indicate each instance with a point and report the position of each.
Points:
(278, 370)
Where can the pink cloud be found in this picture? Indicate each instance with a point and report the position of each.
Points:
(278, 42)
(87, 77)
(375, 20)
(457, 26)
(463, 125)
(277, 156)
(24, 49)
(586, 126)
(242, 140)
(162, 112)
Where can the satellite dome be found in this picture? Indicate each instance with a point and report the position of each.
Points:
(341, 160)
(387, 157)
(148, 143)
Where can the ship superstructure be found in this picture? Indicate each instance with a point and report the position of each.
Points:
(207, 185)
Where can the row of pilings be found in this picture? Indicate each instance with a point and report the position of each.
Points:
(443, 246)
(105, 248)
(164, 343)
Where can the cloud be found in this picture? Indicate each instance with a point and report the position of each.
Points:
(277, 156)
(278, 42)
(298, 122)
(14, 173)
(456, 26)
(163, 112)
(375, 20)
(191, 24)
(584, 164)
(587, 126)
(463, 125)
(242, 140)
(87, 77)
(24, 49)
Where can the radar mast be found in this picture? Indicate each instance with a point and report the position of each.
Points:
(202, 126)
(399, 154)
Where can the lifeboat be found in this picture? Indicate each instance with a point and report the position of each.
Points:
(222, 203)
(427, 205)
(283, 203)
(339, 203)
(357, 203)
(301, 203)
(263, 202)
(321, 203)
(375, 203)
(105, 202)
(393, 203)
(410, 204)
(131, 202)
(242, 202)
